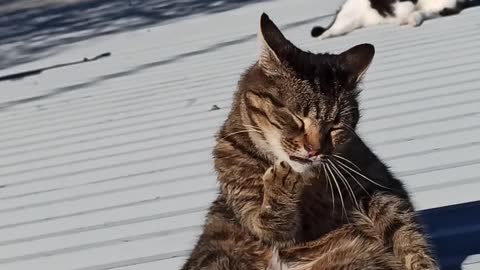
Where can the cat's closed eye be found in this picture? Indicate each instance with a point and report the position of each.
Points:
(337, 119)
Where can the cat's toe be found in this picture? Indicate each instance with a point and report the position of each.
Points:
(277, 173)
(269, 175)
(282, 169)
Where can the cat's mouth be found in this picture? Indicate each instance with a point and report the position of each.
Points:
(301, 160)
(310, 160)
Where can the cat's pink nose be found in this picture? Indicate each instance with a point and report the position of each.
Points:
(311, 152)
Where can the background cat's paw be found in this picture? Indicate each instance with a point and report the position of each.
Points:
(415, 19)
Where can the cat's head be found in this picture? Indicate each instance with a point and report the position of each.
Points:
(301, 106)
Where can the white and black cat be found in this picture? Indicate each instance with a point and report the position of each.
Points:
(356, 14)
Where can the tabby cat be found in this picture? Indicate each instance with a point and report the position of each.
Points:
(361, 13)
(298, 187)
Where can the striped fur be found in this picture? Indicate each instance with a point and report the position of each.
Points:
(298, 189)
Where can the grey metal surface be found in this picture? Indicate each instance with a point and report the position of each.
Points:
(107, 165)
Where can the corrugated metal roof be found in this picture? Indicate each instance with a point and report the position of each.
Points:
(106, 165)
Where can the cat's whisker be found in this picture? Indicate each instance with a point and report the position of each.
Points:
(361, 175)
(241, 131)
(335, 170)
(338, 188)
(251, 127)
(348, 109)
(350, 112)
(349, 128)
(347, 160)
(330, 185)
(326, 183)
(353, 177)
(346, 183)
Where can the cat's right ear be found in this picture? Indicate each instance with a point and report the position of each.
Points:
(274, 46)
(357, 60)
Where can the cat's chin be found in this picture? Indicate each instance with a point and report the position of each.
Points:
(300, 166)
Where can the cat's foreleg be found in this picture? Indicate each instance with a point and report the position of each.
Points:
(279, 213)
(394, 220)
(274, 217)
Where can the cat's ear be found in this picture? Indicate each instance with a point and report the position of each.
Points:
(274, 45)
(357, 60)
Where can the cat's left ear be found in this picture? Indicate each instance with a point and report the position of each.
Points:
(357, 60)
(275, 48)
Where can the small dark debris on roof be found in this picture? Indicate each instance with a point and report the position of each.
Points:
(214, 108)
(190, 102)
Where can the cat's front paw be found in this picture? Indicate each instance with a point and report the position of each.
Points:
(281, 178)
(415, 19)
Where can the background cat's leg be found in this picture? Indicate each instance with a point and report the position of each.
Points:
(415, 19)
(395, 221)
(345, 248)
(402, 11)
(347, 20)
(339, 29)
(418, 17)
(450, 11)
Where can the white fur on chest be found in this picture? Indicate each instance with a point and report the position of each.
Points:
(275, 263)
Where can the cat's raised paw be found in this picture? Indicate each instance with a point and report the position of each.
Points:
(281, 177)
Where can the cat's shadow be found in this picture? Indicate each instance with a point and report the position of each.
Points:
(454, 232)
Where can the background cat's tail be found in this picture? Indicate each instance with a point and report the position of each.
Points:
(317, 31)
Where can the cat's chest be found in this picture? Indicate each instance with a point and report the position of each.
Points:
(322, 213)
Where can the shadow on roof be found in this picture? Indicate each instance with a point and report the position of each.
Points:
(33, 31)
(455, 232)
(133, 71)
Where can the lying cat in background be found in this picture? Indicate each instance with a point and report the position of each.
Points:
(356, 14)
(299, 189)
